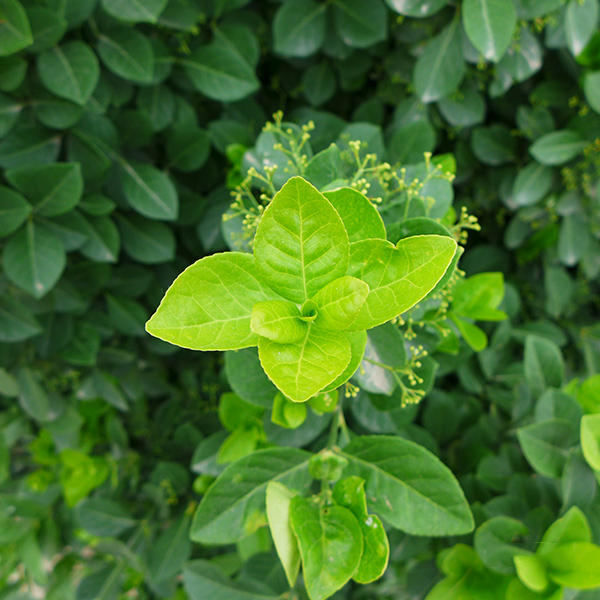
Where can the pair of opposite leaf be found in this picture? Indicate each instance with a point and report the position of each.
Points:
(322, 273)
(336, 540)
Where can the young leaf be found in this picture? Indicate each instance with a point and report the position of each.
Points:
(479, 296)
(358, 342)
(398, 277)
(70, 71)
(590, 440)
(53, 189)
(209, 306)
(34, 259)
(490, 25)
(279, 321)
(532, 572)
(304, 368)
(361, 219)
(288, 414)
(572, 527)
(234, 506)
(339, 302)
(301, 244)
(350, 493)
(331, 545)
(574, 565)
(408, 486)
(279, 499)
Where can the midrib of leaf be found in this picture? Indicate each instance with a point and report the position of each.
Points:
(302, 351)
(53, 192)
(28, 148)
(433, 73)
(547, 446)
(229, 44)
(133, 173)
(128, 57)
(213, 71)
(14, 30)
(356, 16)
(94, 234)
(69, 71)
(402, 483)
(144, 235)
(144, 11)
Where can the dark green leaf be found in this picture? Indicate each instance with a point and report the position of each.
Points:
(14, 210)
(558, 147)
(15, 32)
(299, 27)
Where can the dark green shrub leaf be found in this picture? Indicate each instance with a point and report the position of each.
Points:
(146, 241)
(17, 323)
(558, 147)
(416, 8)
(544, 366)
(581, 19)
(103, 517)
(360, 23)
(171, 550)
(135, 11)
(299, 27)
(14, 210)
(188, 147)
(15, 32)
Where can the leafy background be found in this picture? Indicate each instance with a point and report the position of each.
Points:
(123, 128)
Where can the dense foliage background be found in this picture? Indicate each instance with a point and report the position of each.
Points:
(124, 127)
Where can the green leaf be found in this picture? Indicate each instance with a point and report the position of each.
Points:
(573, 239)
(474, 336)
(28, 144)
(409, 487)
(209, 306)
(494, 145)
(33, 397)
(10, 109)
(47, 27)
(70, 71)
(590, 440)
(490, 25)
(581, 21)
(331, 545)
(17, 322)
(350, 493)
(544, 366)
(524, 56)
(103, 517)
(149, 191)
(496, 543)
(234, 505)
(15, 32)
(127, 53)
(278, 320)
(398, 277)
(416, 8)
(558, 147)
(135, 11)
(220, 73)
(440, 68)
(235, 412)
(188, 148)
(572, 527)
(532, 184)
(463, 109)
(479, 296)
(319, 83)
(53, 189)
(304, 368)
(546, 445)
(34, 259)
(12, 72)
(279, 499)
(171, 550)
(104, 241)
(203, 580)
(358, 342)
(360, 23)
(301, 244)
(339, 302)
(288, 414)
(591, 86)
(411, 141)
(14, 210)
(323, 168)
(147, 242)
(532, 572)
(247, 378)
(574, 565)
(299, 27)
(361, 219)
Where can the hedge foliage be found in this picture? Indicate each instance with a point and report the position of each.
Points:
(137, 137)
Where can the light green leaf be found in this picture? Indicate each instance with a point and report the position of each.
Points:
(288, 414)
(209, 306)
(398, 277)
(10, 109)
(135, 11)
(331, 545)
(479, 296)
(53, 189)
(532, 572)
(360, 23)
(203, 580)
(474, 336)
(34, 259)
(590, 440)
(299, 27)
(234, 506)
(278, 320)
(558, 147)
(532, 184)
(14, 210)
(15, 32)
(304, 368)
(220, 73)
(127, 53)
(572, 527)
(248, 379)
(279, 498)
(339, 302)
(70, 71)
(361, 219)
(574, 565)
(490, 25)
(358, 342)
(546, 445)
(581, 21)
(544, 366)
(301, 244)
(350, 493)
(441, 67)
(409, 487)
(149, 191)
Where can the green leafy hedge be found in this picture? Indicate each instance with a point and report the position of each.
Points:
(137, 138)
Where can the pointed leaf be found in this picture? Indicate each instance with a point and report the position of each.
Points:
(302, 369)
(299, 27)
(301, 244)
(234, 505)
(209, 306)
(278, 320)
(398, 277)
(331, 545)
